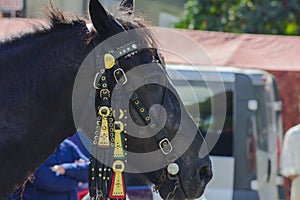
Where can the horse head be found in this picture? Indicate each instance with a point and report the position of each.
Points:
(162, 140)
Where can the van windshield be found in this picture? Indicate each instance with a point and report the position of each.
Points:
(197, 99)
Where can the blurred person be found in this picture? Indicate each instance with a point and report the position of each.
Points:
(58, 178)
(82, 142)
(290, 160)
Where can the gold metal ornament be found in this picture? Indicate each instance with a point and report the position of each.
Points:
(104, 132)
(118, 150)
(117, 190)
(109, 61)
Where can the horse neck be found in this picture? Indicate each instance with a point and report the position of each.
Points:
(37, 73)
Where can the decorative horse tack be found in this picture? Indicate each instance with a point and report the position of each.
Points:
(109, 61)
(110, 134)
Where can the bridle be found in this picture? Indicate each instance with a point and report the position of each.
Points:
(110, 133)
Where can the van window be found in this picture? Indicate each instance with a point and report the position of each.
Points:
(201, 102)
(262, 118)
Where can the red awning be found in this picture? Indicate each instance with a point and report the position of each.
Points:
(269, 52)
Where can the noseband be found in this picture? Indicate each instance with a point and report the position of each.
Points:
(110, 132)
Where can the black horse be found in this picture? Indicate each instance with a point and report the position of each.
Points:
(38, 71)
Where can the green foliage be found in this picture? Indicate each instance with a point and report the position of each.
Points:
(243, 16)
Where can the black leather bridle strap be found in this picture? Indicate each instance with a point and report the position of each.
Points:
(101, 175)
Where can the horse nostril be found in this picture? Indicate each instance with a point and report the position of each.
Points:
(205, 174)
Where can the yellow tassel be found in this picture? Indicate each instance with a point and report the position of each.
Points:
(104, 135)
(118, 150)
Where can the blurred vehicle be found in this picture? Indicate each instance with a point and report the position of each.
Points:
(246, 155)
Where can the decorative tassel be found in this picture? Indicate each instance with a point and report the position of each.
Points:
(104, 133)
(117, 190)
(118, 150)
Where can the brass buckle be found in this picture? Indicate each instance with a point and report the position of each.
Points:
(96, 81)
(123, 77)
(165, 146)
(119, 126)
(104, 111)
(104, 91)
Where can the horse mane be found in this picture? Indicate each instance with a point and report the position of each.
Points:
(54, 20)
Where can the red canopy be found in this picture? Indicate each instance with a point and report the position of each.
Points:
(267, 52)
(13, 26)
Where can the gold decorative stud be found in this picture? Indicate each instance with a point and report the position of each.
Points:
(109, 61)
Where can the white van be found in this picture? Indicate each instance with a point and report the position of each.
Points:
(246, 155)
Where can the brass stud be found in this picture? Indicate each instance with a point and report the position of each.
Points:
(109, 61)
(134, 46)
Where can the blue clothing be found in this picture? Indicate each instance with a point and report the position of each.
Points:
(49, 185)
(82, 142)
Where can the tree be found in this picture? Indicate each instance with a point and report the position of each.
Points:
(243, 16)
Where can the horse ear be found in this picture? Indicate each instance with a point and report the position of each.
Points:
(127, 5)
(98, 16)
